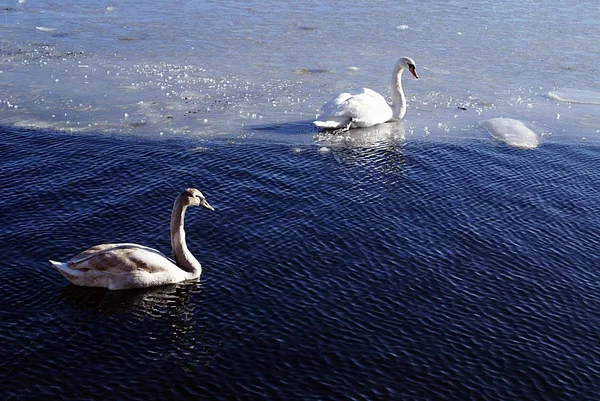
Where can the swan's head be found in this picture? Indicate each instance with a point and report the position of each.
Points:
(193, 197)
(409, 64)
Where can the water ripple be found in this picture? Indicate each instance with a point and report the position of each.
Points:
(407, 270)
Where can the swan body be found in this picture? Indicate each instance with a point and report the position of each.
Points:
(121, 266)
(363, 107)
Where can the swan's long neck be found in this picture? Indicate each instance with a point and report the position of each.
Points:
(183, 257)
(398, 98)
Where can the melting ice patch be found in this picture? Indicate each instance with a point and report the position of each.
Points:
(575, 96)
(512, 132)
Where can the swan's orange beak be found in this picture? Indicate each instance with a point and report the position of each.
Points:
(413, 71)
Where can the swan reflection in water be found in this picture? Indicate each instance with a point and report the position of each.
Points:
(163, 312)
(392, 132)
(378, 147)
(139, 301)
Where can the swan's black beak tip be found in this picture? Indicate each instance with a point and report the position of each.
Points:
(205, 204)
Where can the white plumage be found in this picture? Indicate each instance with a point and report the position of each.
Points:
(363, 107)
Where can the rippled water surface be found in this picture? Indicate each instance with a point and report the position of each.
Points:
(451, 256)
(404, 270)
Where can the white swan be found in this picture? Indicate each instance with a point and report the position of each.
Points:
(120, 266)
(364, 107)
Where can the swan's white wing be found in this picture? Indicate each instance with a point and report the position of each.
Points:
(333, 114)
(363, 106)
(368, 109)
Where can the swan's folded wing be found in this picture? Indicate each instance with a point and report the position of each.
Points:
(120, 258)
(367, 109)
(356, 101)
(340, 106)
(363, 106)
(333, 106)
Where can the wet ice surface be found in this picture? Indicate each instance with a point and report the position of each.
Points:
(147, 99)
(263, 70)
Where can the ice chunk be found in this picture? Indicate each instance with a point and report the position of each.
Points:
(575, 96)
(512, 132)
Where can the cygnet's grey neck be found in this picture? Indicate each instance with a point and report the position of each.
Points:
(183, 257)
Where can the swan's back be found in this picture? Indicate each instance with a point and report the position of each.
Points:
(122, 257)
(119, 266)
(362, 107)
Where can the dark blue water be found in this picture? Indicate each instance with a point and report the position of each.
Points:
(416, 270)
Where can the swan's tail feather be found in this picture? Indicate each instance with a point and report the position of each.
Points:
(332, 122)
(325, 124)
(64, 269)
(335, 129)
(57, 265)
